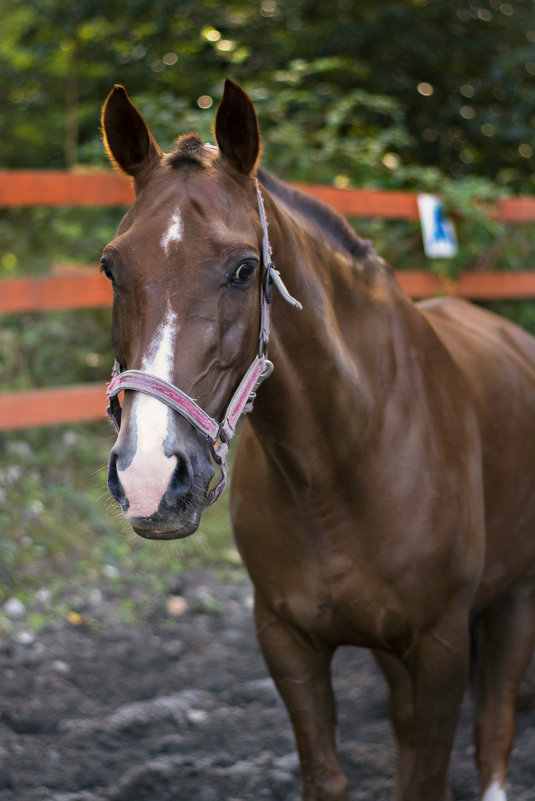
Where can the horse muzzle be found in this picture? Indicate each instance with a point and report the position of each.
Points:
(162, 496)
(167, 528)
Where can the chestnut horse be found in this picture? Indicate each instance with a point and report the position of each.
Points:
(384, 486)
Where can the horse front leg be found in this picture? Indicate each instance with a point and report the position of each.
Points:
(401, 714)
(301, 672)
(438, 665)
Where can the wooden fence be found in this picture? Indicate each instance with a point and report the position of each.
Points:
(85, 288)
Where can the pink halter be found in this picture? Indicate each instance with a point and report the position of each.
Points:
(217, 433)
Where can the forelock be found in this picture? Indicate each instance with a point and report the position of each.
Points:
(189, 149)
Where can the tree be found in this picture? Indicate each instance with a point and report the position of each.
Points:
(447, 83)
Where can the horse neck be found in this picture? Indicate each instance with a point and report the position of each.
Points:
(335, 359)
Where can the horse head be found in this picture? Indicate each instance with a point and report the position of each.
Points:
(185, 266)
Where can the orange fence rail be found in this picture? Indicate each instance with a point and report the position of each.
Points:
(89, 290)
(104, 188)
(86, 288)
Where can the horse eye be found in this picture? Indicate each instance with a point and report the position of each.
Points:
(105, 268)
(244, 272)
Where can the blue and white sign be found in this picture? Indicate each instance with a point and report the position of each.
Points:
(438, 232)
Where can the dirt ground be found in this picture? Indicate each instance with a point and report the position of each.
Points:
(179, 707)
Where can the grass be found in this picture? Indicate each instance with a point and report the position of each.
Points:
(63, 537)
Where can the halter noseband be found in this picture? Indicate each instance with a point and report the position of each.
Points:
(217, 433)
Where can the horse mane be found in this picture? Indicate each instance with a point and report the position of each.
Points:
(331, 223)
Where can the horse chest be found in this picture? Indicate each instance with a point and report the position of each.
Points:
(354, 614)
(328, 590)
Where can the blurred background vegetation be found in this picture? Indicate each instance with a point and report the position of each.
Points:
(429, 95)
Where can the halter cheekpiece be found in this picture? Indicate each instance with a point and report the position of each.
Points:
(217, 433)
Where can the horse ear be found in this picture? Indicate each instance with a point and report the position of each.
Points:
(236, 128)
(127, 139)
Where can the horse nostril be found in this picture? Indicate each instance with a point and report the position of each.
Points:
(181, 480)
(114, 485)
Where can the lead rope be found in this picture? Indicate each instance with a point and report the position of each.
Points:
(218, 434)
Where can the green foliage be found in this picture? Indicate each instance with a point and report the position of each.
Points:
(47, 501)
(457, 76)
(57, 519)
(61, 347)
(323, 136)
(39, 350)
(33, 240)
(522, 312)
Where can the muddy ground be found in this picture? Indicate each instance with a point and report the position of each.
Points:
(179, 707)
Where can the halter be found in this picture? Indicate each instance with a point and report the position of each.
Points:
(217, 433)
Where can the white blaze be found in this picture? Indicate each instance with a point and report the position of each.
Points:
(146, 478)
(173, 233)
(494, 792)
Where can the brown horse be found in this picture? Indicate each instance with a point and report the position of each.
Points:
(384, 486)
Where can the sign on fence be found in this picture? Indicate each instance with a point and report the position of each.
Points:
(438, 232)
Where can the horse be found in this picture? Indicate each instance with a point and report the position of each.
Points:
(383, 487)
